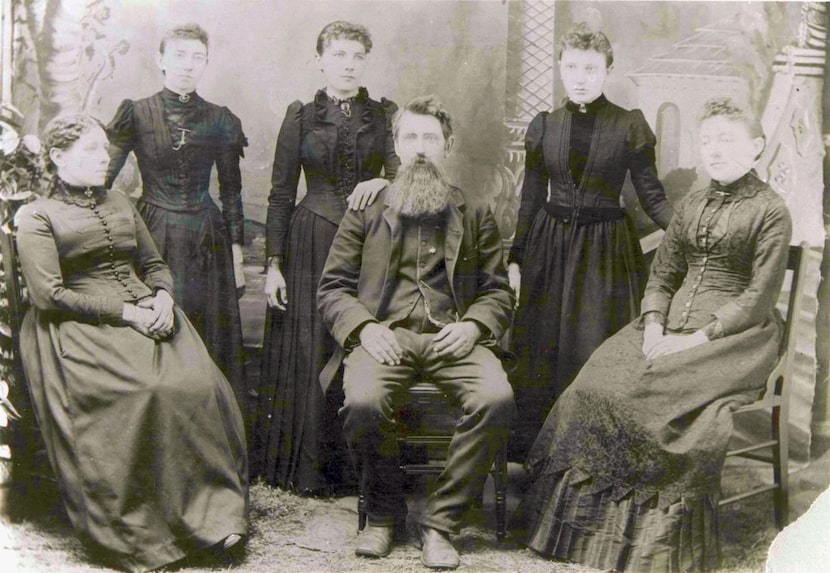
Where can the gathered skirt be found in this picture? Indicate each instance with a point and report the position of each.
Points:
(580, 284)
(626, 469)
(197, 248)
(297, 442)
(145, 437)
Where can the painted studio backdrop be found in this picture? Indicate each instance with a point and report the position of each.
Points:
(493, 65)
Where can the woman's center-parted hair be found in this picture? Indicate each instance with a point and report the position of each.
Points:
(425, 105)
(342, 30)
(189, 31)
(65, 130)
(582, 37)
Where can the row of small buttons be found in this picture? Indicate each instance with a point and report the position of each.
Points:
(706, 229)
(119, 276)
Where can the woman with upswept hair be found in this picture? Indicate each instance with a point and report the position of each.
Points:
(576, 262)
(177, 137)
(141, 428)
(342, 142)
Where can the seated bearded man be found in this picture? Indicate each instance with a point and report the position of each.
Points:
(415, 286)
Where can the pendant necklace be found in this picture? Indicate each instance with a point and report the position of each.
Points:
(183, 139)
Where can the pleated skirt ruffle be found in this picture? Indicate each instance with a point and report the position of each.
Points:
(564, 519)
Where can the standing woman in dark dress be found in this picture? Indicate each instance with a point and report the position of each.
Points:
(141, 428)
(342, 141)
(177, 137)
(576, 262)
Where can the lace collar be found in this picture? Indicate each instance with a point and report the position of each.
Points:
(322, 100)
(746, 186)
(71, 195)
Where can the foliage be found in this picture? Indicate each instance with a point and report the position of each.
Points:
(21, 170)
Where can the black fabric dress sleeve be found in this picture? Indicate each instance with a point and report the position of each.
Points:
(534, 188)
(643, 169)
(285, 176)
(122, 135)
(230, 178)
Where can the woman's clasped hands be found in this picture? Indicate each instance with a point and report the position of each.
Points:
(153, 316)
(657, 344)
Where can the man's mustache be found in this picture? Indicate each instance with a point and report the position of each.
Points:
(420, 160)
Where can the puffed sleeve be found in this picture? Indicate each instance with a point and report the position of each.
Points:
(40, 262)
(669, 267)
(534, 188)
(121, 132)
(228, 152)
(284, 178)
(643, 169)
(391, 162)
(769, 265)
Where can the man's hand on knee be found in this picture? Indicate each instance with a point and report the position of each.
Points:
(456, 340)
(381, 344)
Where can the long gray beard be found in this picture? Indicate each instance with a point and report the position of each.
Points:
(420, 190)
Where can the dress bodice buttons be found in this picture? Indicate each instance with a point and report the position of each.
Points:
(119, 275)
(706, 225)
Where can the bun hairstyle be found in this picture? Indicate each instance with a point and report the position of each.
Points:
(583, 36)
(729, 108)
(63, 131)
(342, 30)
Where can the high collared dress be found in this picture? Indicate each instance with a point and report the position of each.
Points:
(626, 470)
(177, 143)
(297, 440)
(144, 436)
(582, 268)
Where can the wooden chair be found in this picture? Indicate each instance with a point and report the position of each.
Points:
(776, 397)
(427, 423)
(33, 482)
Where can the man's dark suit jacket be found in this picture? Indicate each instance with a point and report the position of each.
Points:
(359, 277)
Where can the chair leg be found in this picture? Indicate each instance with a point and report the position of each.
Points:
(361, 512)
(500, 487)
(780, 469)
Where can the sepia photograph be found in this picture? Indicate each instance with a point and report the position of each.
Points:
(414, 285)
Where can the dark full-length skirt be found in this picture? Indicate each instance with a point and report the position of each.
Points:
(297, 441)
(197, 248)
(626, 470)
(145, 437)
(580, 284)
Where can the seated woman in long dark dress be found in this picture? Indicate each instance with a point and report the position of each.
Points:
(626, 470)
(141, 427)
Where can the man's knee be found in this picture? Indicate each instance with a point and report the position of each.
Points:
(497, 397)
(493, 396)
(366, 402)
